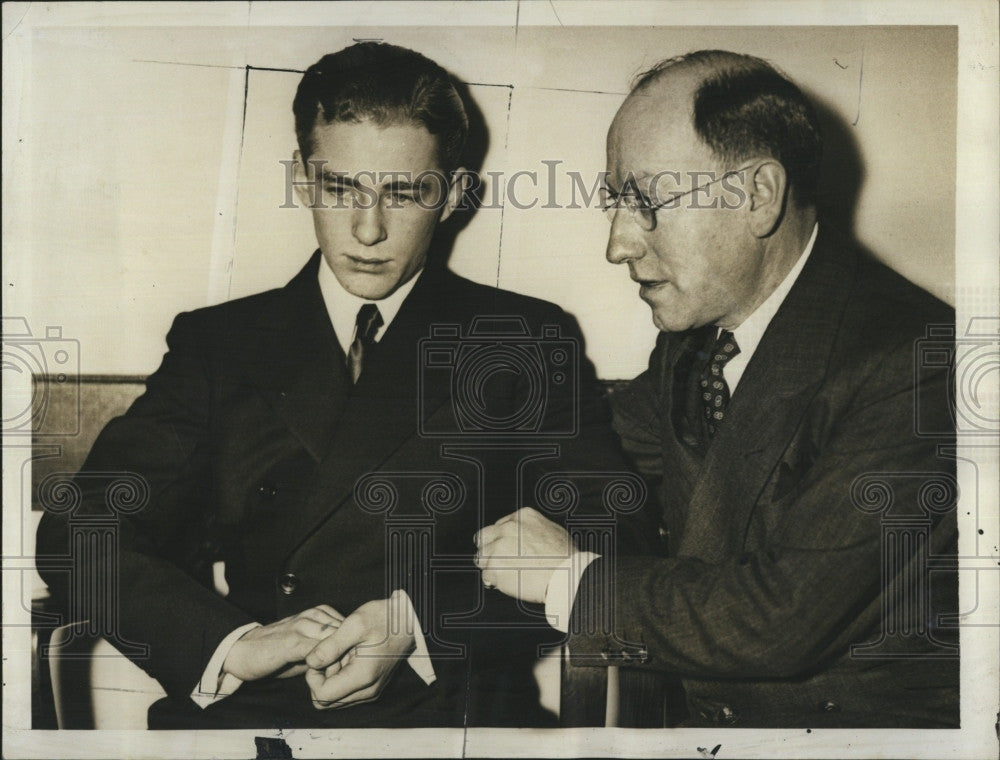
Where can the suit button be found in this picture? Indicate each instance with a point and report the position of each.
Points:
(728, 715)
(288, 583)
(267, 491)
(829, 706)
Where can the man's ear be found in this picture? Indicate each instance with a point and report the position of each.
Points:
(767, 193)
(303, 184)
(456, 190)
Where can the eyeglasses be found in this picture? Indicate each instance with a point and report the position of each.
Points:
(642, 209)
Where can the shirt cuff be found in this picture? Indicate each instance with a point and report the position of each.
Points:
(420, 658)
(562, 588)
(214, 684)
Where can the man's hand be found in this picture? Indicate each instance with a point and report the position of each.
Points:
(280, 649)
(518, 553)
(353, 665)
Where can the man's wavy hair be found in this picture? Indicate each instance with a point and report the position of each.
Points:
(384, 84)
(744, 107)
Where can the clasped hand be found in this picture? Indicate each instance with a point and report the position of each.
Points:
(353, 665)
(346, 661)
(519, 553)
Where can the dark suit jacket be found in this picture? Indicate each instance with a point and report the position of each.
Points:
(258, 451)
(818, 519)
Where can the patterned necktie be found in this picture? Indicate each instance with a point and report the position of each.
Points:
(366, 328)
(714, 391)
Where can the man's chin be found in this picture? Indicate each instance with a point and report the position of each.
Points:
(370, 288)
(670, 322)
(663, 320)
(375, 295)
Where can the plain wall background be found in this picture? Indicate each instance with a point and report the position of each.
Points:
(150, 191)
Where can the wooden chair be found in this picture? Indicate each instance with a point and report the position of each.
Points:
(88, 684)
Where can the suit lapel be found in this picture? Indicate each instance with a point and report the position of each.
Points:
(380, 413)
(296, 363)
(784, 374)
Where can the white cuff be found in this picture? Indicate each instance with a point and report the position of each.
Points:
(214, 685)
(562, 588)
(420, 658)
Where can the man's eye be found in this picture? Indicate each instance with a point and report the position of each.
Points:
(335, 190)
(400, 198)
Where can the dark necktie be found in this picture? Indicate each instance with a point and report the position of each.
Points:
(712, 384)
(366, 328)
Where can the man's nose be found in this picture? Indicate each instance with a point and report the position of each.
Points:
(368, 224)
(622, 243)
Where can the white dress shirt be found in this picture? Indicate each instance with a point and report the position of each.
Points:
(565, 579)
(343, 308)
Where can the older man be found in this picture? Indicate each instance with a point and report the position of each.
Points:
(779, 400)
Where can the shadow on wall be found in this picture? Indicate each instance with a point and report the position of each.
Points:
(842, 171)
(472, 159)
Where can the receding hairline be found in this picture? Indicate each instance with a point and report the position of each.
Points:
(718, 85)
(668, 88)
(708, 61)
(703, 65)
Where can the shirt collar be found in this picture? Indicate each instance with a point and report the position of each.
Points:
(343, 306)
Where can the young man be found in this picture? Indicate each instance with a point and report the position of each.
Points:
(337, 442)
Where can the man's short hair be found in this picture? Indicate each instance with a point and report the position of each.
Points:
(744, 107)
(384, 84)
